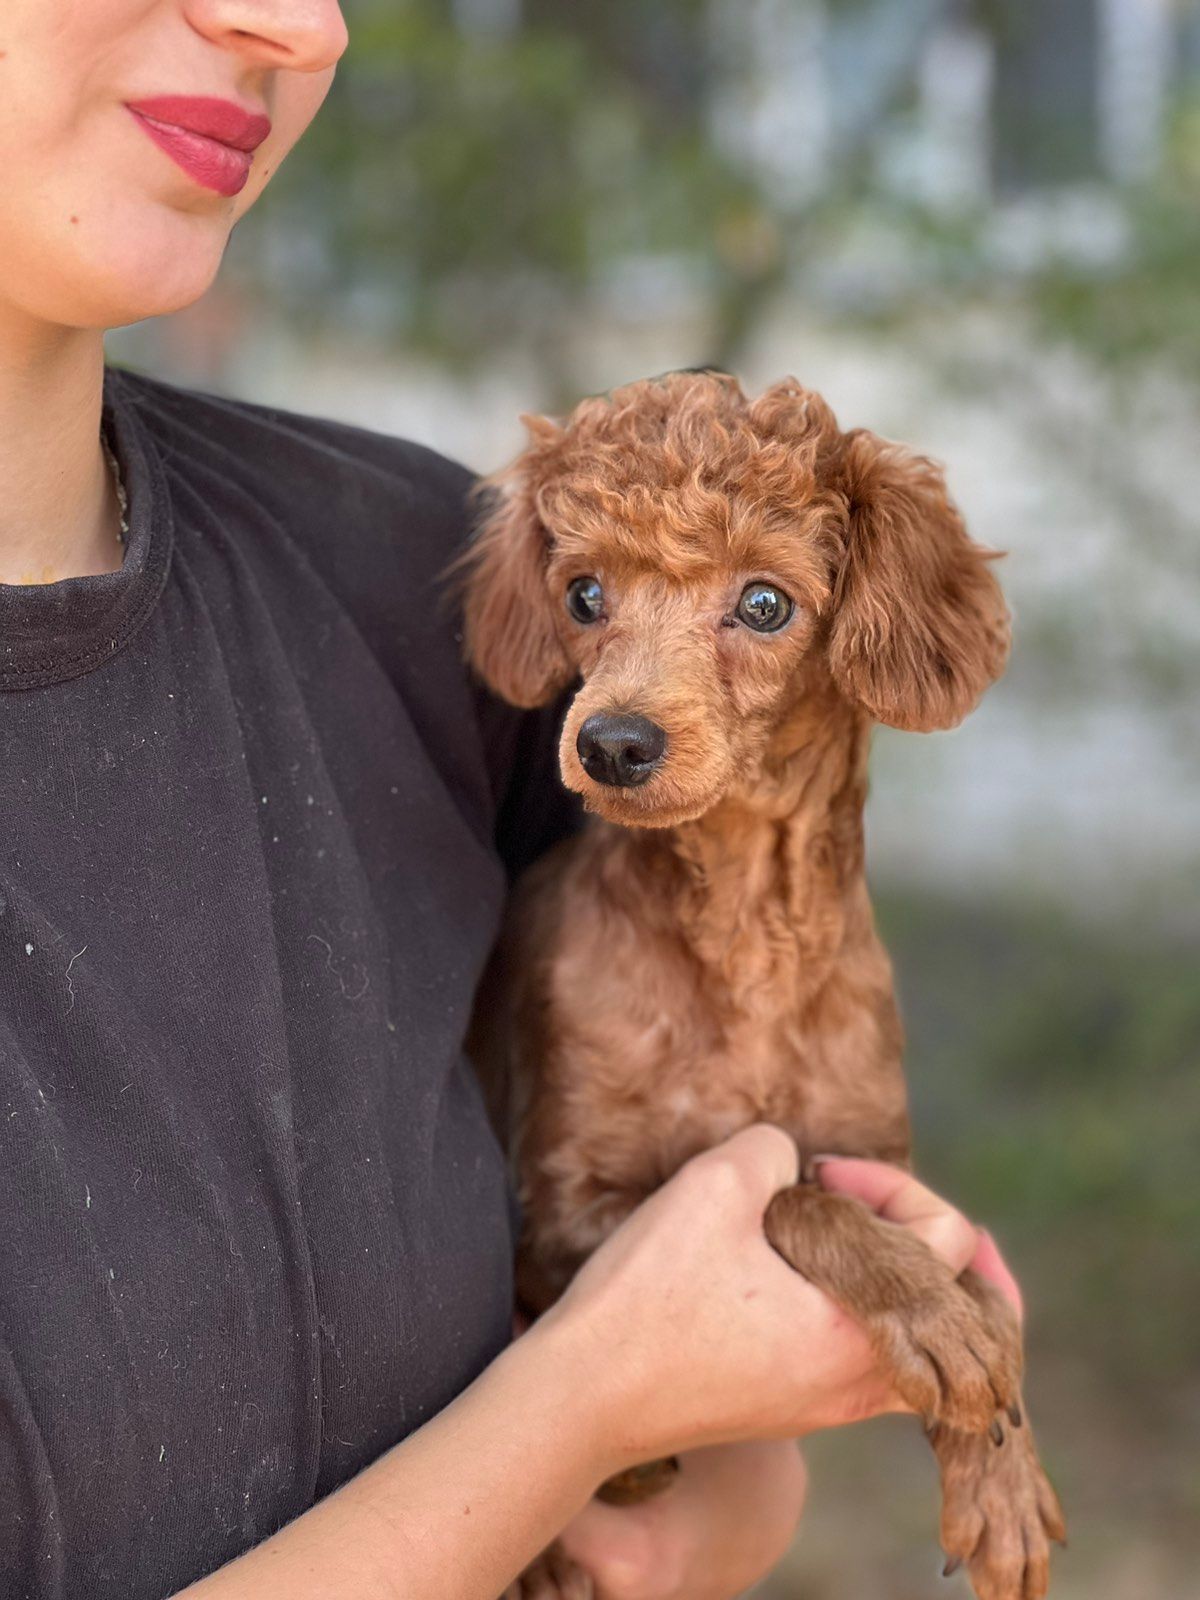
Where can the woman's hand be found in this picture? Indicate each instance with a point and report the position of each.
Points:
(733, 1511)
(725, 1522)
(693, 1331)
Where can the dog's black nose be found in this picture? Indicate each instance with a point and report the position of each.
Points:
(620, 750)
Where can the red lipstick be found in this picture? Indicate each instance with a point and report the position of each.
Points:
(212, 140)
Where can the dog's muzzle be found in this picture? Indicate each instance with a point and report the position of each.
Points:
(620, 750)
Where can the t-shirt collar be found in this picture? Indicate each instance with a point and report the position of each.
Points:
(54, 631)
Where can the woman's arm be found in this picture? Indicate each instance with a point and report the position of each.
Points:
(734, 1510)
(459, 1507)
(684, 1331)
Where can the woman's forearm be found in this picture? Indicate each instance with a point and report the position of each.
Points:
(455, 1511)
(684, 1330)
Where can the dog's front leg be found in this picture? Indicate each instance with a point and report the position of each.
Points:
(943, 1354)
(999, 1510)
(952, 1347)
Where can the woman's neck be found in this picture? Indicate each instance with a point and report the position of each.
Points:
(59, 516)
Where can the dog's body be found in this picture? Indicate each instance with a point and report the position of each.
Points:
(705, 956)
(675, 985)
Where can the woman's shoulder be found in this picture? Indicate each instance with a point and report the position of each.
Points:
(327, 480)
(379, 521)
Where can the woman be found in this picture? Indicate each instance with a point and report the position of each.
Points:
(256, 1242)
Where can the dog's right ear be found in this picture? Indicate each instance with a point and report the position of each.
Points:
(511, 639)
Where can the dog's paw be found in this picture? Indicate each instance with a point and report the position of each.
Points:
(553, 1576)
(952, 1360)
(1000, 1514)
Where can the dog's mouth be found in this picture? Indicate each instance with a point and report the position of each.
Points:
(630, 778)
(644, 806)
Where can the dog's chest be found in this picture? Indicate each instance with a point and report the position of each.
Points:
(830, 1089)
(651, 1052)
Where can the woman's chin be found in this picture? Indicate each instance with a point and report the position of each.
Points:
(119, 269)
(124, 291)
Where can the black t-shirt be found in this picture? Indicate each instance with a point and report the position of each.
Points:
(253, 1226)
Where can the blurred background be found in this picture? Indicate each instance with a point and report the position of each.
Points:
(973, 225)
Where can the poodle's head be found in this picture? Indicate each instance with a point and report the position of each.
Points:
(703, 562)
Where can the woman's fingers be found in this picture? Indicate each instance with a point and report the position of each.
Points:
(728, 1518)
(716, 1339)
(990, 1264)
(764, 1158)
(898, 1197)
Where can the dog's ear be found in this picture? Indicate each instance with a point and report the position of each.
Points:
(509, 628)
(919, 626)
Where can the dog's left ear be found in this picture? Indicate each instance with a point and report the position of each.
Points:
(511, 640)
(919, 627)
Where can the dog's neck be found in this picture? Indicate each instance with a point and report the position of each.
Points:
(772, 877)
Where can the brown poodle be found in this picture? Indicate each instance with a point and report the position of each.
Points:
(742, 589)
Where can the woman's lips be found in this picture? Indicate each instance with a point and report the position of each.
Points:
(212, 140)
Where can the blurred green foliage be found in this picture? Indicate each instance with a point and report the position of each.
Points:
(1147, 309)
(1054, 1066)
(474, 185)
(1055, 1072)
(484, 186)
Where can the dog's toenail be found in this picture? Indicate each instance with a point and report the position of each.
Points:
(996, 1432)
(952, 1565)
(1014, 1414)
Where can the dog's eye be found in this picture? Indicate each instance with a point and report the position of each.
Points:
(763, 607)
(585, 599)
